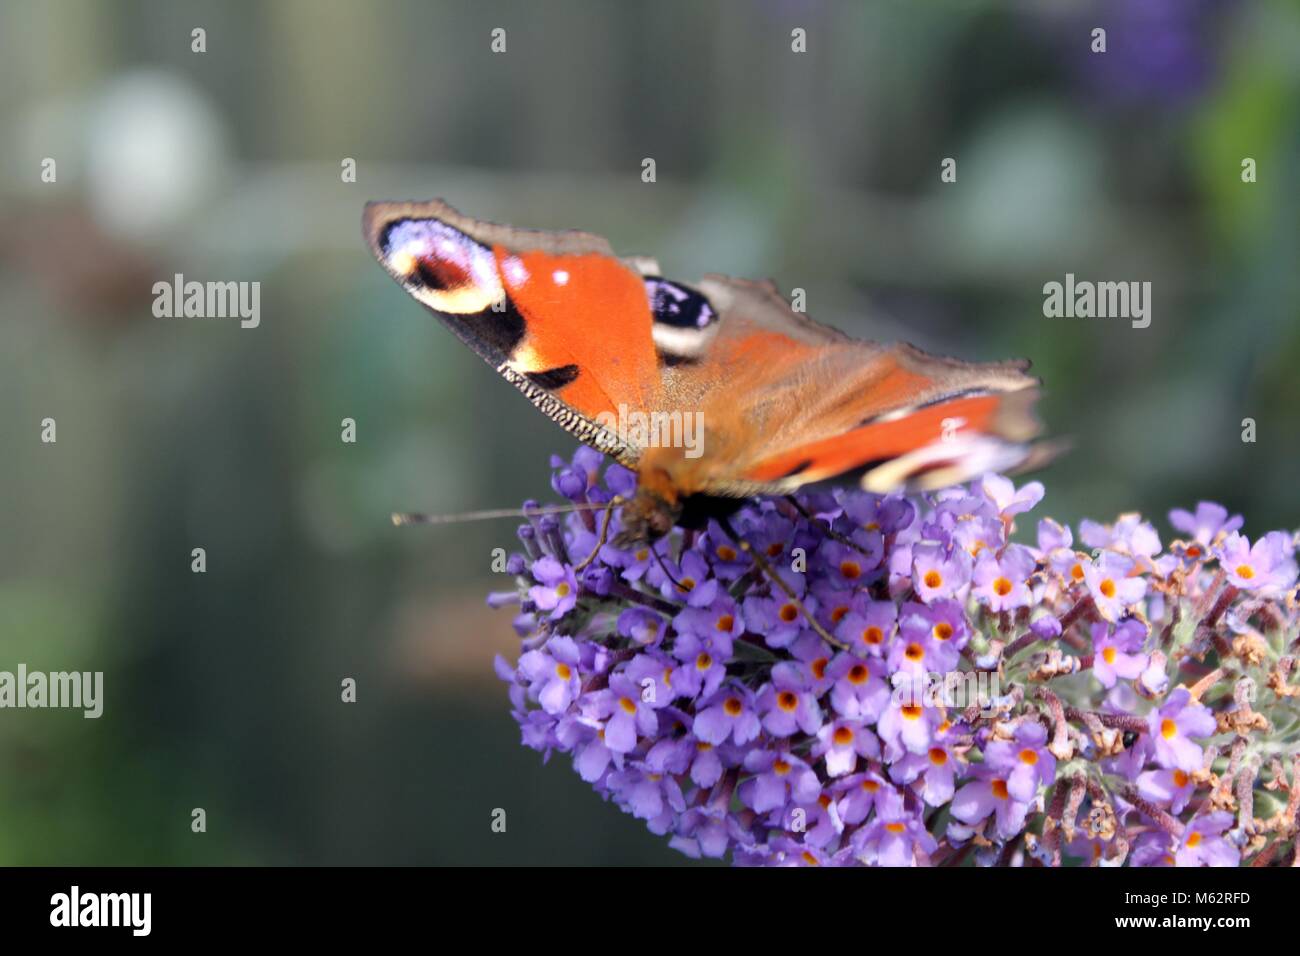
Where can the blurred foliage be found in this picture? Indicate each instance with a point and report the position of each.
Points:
(820, 170)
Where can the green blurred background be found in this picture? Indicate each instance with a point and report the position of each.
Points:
(820, 170)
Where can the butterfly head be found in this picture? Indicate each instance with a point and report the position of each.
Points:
(646, 518)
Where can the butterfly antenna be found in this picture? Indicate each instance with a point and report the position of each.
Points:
(403, 518)
(776, 579)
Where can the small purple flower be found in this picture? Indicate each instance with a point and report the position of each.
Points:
(786, 704)
(860, 691)
(1117, 651)
(1111, 585)
(720, 622)
(849, 567)
(641, 625)
(1268, 565)
(1006, 498)
(940, 631)
(841, 743)
(727, 714)
(556, 590)
(1023, 762)
(869, 629)
(936, 574)
(894, 838)
(1002, 582)
(1204, 842)
(987, 795)
(777, 617)
(1171, 788)
(627, 714)
(907, 725)
(1207, 524)
(1174, 724)
(553, 674)
(858, 794)
(779, 779)
(936, 769)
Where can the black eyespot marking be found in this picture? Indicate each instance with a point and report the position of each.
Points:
(669, 360)
(439, 274)
(678, 306)
(553, 378)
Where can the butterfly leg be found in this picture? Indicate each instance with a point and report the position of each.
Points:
(767, 569)
(825, 526)
(604, 533)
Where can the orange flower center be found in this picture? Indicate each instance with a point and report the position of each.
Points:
(895, 827)
(1107, 588)
(1168, 729)
(788, 613)
(1028, 756)
(938, 756)
(1000, 789)
(563, 671)
(562, 589)
(851, 570)
(842, 736)
(1180, 778)
(787, 701)
(627, 704)
(838, 613)
(1076, 572)
(1245, 572)
(703, 662)
(942, 631)
(911, 711)
(1002, 587)
(733, 706)
(781, 767)
(819, 667)
(933, 579)
(858, 674)
(873, 635)
(1108, 655)
(726, 553)
(1195, 839)
(726, 622)
(914, 652)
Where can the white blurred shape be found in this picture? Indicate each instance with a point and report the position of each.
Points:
(155, 150)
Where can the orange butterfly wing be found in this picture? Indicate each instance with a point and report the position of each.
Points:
(783, 401)
(786, 402)
(556, 313)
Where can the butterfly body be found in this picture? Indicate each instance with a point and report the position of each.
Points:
(596, 341)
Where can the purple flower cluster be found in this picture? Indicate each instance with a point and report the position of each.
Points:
(916, 688)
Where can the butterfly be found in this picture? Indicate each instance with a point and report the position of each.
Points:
(596, 341)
